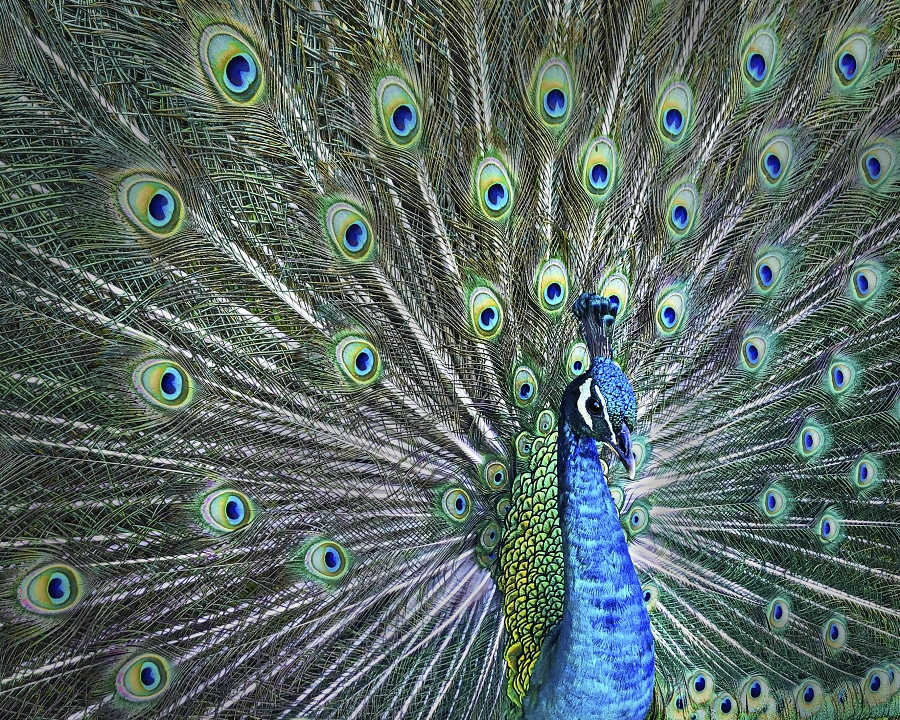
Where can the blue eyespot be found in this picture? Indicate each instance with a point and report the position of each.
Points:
(364, 362)
(553, 293)
(332, 559)
(143, 678)
(756, 66)
(679, 703)
(231, 64)
(773, 165)
(349, 231)
(647, 596)
(669, 316)
(355, 236)
(58, 588)
(674, 121)
(496, 196)
(725, 705)
(837, 374)
(160, 208)
(399, 111)
(809, 694)
(847, 65)
(766, 275)
(873, 166)
(227, 510)
(599, 176)
(808, 440)
(555, 103)
(834, 632)
(525, 386)
(171, 383)
(456, 504)
(327, 560)
(862, 284)
(487, 320)
(240, 72)
(234, 510)
(700, 684)
(485, 313)
(755, 690)
(404, 120)
(680, 216)
(150, 677)
(752, 353)
(828, 528)
(771, 501)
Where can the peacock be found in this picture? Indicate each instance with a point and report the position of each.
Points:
(486, 359)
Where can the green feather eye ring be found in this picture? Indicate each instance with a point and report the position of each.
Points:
(143, 678)
(231, 64)
(152, 205)
(227, 510)
(399, 112)
(51, 589)
(163, 383)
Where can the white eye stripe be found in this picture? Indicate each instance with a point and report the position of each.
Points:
(583, 397)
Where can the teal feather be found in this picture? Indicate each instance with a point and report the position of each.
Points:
(274, 278)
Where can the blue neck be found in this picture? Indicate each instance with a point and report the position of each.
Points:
(600, 664)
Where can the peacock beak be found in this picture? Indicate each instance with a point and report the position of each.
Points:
(623, 449)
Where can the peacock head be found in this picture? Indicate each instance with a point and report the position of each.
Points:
(600, 403)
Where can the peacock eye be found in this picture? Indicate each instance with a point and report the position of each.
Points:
(553, 286)
(349, 231)
(493, 189)
(524, 386)
(774, 161)
(162, 383)
(681, 210)
(674, 112)
(778, 613)
(327, 560)
(759, 58)
(151, 204)
(457, 504)
(599, 168)
(358, 360)
(399, 111)
(851, 59)
(227, 510)
(485, 312)
(489, 537)
(554, 92)
(876, 163)
(495, 475)
(864, 283)
(810, 697)
(578, 360)
(231, 64)
(593, 406)
(143, 678)
(51, 589)
(616, 289)
(834, 634)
